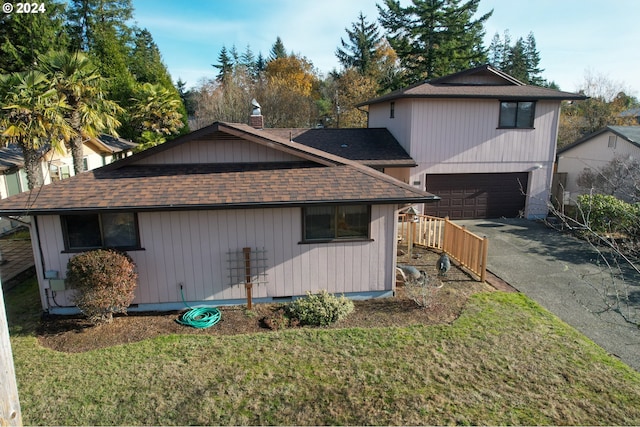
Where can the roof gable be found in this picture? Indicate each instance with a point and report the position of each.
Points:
(483, 75)
(220, 131)
(484, 82)
(137, 183)
(630, 134)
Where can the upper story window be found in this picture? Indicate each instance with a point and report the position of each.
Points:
(326, 223)
(106, 230)
(392, 110)
(612, 141)
(517, 114)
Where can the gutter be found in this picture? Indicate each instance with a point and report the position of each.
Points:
(260, 205)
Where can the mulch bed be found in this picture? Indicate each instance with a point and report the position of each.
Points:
(75, 334)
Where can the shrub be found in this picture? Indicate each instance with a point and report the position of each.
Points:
(320, 309)
(606, 214)
(105, 281)
(423, 291)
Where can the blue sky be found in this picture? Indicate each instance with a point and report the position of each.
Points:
(574, 37)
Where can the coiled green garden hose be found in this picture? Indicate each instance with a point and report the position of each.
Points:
(200, 318)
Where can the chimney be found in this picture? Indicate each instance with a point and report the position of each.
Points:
(256, 120)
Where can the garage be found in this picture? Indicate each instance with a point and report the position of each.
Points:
(478, 195)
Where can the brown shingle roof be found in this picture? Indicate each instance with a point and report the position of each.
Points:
(461, 85)
(124, 185)
(181, 187)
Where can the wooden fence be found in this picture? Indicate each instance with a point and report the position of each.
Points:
(468, 249)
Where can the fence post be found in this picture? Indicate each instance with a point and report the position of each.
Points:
(411, 231)
(445, 234)
(485, 252)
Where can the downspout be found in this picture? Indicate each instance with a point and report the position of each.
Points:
(366, 112)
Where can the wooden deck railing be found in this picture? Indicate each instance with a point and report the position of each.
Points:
(468, 249)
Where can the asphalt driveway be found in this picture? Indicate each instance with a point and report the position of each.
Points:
(569, 278)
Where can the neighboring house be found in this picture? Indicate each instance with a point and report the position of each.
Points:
(484, 142)
(186, 210)
(633, 113)
(593, 152)
(56, 165)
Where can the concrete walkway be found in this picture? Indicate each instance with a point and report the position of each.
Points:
(562, 274)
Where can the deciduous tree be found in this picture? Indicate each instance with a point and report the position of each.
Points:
(607, 100)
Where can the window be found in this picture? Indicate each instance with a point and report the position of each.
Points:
(392, 110)
(517, 114)
(59, 172)
(108, 230)
(325, 223)
(612, 141)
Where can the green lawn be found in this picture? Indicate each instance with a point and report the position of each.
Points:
(504, 361)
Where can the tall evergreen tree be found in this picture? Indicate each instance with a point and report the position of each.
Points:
(360, 50)
(516, 64)
(520, 60)
(434, 37)
(24, 37)
(533, 61)
(225, 65)
(277, 50)
(99, 27)
(187, 96)
(145, 62)
(249, 64)
(86, 18)
(261, 63)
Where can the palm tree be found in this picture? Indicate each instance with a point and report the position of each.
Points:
(90, 113)
(156, 114)
(32, 116)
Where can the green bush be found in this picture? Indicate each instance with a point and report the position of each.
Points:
(607, 214)
(320, 309)
(104, 281)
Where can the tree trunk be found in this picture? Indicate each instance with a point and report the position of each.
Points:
(77, 151)
(32, 167)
